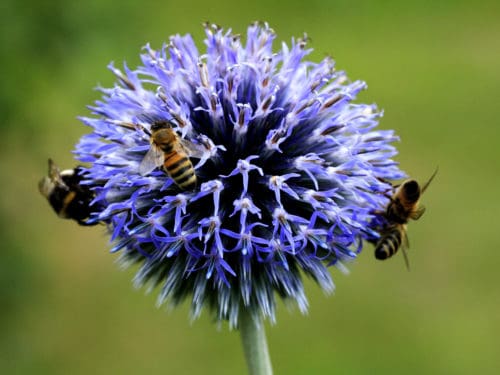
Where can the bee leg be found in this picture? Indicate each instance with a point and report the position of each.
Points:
(390, 197)
(406, 241)
(385, 181)
(406, 245)
(388, 183)
(85, 223)
(407, 261)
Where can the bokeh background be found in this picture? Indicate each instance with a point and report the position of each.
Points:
(433, 66)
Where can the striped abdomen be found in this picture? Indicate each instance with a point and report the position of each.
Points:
(180, 169)
(390, 243)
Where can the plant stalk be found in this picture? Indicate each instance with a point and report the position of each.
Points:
(253, 338)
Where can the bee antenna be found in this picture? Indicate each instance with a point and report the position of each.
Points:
(430, 180)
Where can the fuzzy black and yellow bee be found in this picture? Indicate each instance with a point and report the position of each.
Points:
(404, 205)
(172, 153)
(68, 198)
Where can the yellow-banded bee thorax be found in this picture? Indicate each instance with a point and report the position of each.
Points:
(396, 212)
(403, 203)
(165, 139)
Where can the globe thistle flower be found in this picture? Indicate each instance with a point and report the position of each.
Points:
(289, 171)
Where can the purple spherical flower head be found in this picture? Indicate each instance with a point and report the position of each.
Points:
(289, 171)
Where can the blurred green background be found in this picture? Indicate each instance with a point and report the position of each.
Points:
(433, 66)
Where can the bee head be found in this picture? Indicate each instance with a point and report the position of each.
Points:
(411, 190)
(161, 124)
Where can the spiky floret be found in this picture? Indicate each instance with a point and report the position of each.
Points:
(288, 178)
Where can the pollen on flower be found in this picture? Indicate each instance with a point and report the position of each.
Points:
(289, 170)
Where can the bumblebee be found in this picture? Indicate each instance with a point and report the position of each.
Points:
(172, 153)
(68, 198)
(404, 205)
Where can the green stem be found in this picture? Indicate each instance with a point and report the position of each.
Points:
(253, 338)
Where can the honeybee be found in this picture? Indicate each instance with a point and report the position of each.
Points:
(403, 206)
(68, 198)
(170, 151)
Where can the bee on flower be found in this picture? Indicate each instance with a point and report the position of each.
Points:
(287, 173)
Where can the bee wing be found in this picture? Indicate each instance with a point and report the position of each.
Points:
(52, 181)
(405, 246)
(192, 149)
(153, 158)
(55, 173)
